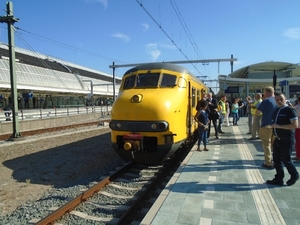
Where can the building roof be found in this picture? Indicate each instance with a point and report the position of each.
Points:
(264, 68)
(261, 75)
(43, 74)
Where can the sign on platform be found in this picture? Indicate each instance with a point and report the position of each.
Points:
(224, 86)
(294, 88)
(283, 83)
(232, 89)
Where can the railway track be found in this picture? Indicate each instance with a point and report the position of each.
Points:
(121, 198)
(53, 129)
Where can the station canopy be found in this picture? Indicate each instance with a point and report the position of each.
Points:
(48, 75)
(257, 76)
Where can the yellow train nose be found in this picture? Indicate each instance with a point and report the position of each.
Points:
(127, 146)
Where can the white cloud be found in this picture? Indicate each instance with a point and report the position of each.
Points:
(146, 26)
(153, 51)
(293, 33)
(121, 36)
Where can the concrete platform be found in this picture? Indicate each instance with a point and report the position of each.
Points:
(226, 185)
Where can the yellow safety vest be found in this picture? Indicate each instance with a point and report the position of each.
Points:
(222, 107)
(253, 111)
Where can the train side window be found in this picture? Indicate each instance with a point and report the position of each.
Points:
(147, 80)
(129, 82)
(168, 80)
(193, 97)
(198, 95)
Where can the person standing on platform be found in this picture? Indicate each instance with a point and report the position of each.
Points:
(226, 120)
(285, 120)
(248, 112)
(255, 118)
(267, 108)
(297, 107)
(222, 111)
(212, 106)
(297, 132)
(235, 112)
(241, 105)
(201, 118)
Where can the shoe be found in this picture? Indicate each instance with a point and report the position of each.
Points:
(249, 133)
(275, 182)
(221, 132)
(266, 166)
(199, 150)
(206, 149)
(252, 139)
(217, 137)
(257, 138)
(292, 181)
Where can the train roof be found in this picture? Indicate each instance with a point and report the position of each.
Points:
(162, 65)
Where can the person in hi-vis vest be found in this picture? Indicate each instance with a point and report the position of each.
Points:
(222, 111)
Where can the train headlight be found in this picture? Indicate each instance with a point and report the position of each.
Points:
(118, 125)
(154, 126)
(163, 126)
(136, 98)
(111, 125)
(160, 126)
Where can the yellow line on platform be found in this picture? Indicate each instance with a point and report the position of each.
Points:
(267, 209)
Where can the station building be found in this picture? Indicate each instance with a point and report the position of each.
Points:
(285, 77)
(46, 82)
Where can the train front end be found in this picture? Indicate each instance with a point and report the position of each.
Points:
(148, 117)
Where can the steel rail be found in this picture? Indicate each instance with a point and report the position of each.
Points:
(51, 218)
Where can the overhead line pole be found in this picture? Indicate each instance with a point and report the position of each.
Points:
(203, 61)
(180, 62)
(10, 20)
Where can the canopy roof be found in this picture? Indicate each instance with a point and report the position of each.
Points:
(43, 74)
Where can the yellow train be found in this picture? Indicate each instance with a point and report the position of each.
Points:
(153, 113)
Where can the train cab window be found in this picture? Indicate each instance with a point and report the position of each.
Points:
(129, 82)
(168, 80)
(147, 80)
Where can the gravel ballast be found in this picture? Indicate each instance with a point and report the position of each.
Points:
(46, 170)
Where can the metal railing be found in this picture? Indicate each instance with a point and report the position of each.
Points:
(35, 114)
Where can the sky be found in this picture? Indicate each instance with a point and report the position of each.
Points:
(96, 33)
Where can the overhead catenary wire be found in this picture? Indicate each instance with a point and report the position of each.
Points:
(48, 67)
(168, 36)
(66, 45)
(186, 30)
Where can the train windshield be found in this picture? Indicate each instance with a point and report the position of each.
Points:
(147, 80)
(129, 82)
(168, 80)
(151, 80)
